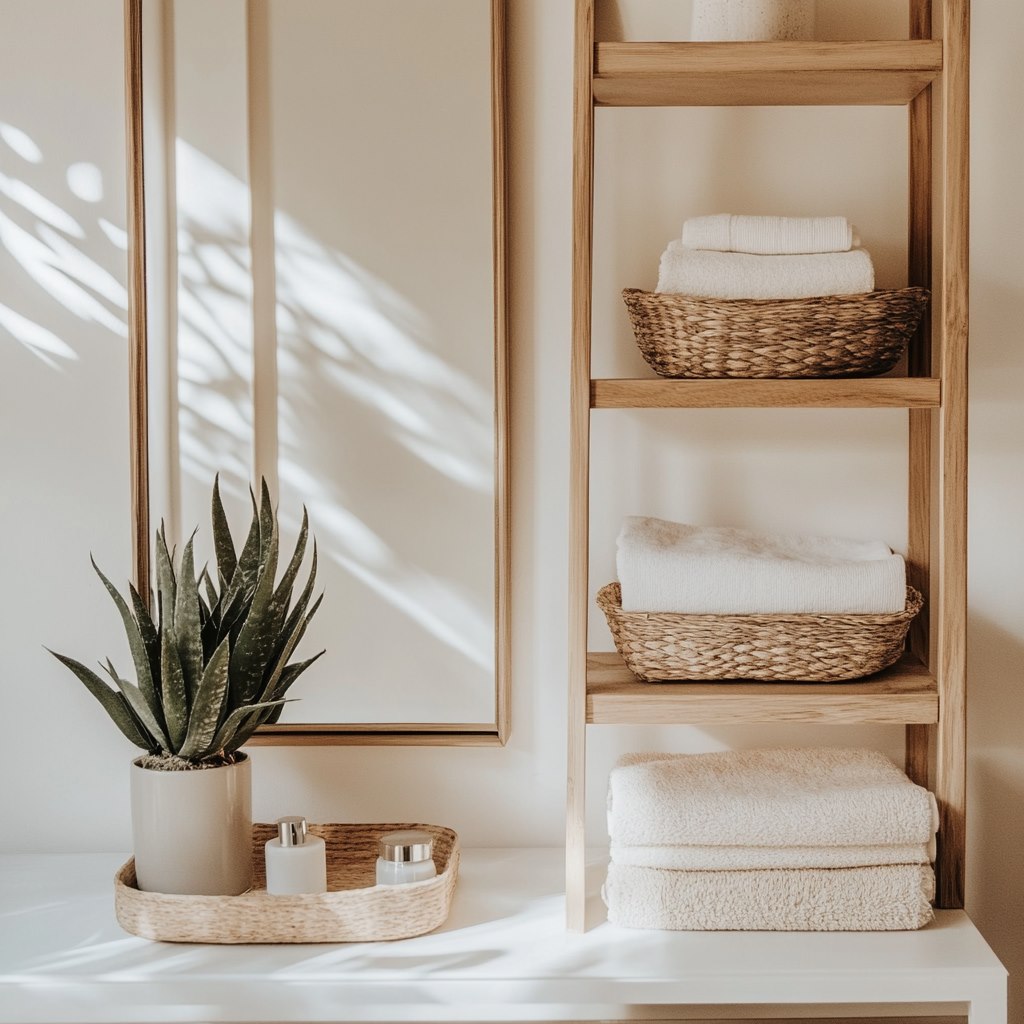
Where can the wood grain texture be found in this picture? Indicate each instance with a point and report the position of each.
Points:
(920, 482)
(951, 781)
(262, 243)
(579, 463)
(776, 73)
(917, 747)
(903, 694)
(502, 384)
(138, 342)
(383, 735)
(872, 393)
(919, 197)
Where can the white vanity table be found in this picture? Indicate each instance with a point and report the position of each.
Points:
(503, 955)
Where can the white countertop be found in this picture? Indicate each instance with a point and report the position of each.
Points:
(503, 954)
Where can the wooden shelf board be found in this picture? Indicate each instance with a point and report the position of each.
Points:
(868, 393)
(903, 694)
(888, 72)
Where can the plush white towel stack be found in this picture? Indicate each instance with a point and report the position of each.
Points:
(816, 839)
(674, 567)
(729, 257)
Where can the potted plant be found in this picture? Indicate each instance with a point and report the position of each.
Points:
(211, 667)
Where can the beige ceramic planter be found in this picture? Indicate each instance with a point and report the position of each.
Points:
(192, 830)
(752, 19)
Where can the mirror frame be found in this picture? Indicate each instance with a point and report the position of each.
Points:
(305, 734)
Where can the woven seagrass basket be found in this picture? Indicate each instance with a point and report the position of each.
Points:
(663, 646)
(832, 336)
(354, 908)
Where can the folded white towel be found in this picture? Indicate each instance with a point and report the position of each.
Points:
(889, 898)
(816, 796)
(752, 19)
(769, 236)
(759, 858)
(739, 275)
(674, 567)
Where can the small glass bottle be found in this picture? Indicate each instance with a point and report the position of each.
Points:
(406, 856)
(296, 860)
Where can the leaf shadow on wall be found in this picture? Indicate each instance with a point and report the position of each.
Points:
(387, 442)
(62, 254)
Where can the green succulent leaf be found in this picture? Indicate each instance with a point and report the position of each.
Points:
(223, 545)
(139, 708)
(151, 640)
(257, 638)
(187, 629)
(268, 522)
(113, 703)
(248, 563)
(288, 638)
(175, 692)
(137, 646)
(234, 724)
(212, 602)
(292, 672)
(166, 586)
(288, 676)
(208, 707)
(272, 684)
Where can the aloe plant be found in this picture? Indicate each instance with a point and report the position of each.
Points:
(213, 665)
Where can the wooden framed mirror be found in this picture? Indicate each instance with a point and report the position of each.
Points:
(318, 296)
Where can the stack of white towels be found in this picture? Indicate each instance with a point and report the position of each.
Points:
(769, 840)
(699, 570)
(731, 257)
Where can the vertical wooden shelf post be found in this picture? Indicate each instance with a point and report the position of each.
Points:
(951, 754)
(579, 457)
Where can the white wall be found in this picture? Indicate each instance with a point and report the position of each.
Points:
(64, 452)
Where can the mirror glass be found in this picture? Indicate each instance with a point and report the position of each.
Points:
(325, 232)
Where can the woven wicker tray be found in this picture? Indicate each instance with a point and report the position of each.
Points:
(832, 336)
(670, 647)
(354, 909)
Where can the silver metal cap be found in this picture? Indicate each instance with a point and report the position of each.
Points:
(292, 830)
(407, 846)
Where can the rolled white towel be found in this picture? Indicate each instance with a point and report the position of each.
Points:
(894, 897)
(673, 567)
(769, 236)
(761, 858)
(816, 796)
(740, 275)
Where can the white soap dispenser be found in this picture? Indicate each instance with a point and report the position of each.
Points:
(296, 860)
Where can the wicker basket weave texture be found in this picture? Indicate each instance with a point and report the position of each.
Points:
(831, 336)
(667, 646)
(354, 909)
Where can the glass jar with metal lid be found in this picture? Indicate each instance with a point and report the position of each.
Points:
(405, 856)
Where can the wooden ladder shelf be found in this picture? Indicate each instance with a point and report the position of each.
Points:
(926, 691)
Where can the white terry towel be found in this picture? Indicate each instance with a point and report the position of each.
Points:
(815, 796)
(675, 567)
(888, 898)
(769, 236)
(739, 275)
(759, 858)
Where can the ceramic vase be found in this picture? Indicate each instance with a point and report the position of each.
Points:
(192, 830)
(744, 20)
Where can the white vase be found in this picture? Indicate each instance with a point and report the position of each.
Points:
(192, 830)
(744, 20)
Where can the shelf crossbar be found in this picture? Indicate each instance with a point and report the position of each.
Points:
(881, 73)
(904, 694)
(871, 393)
